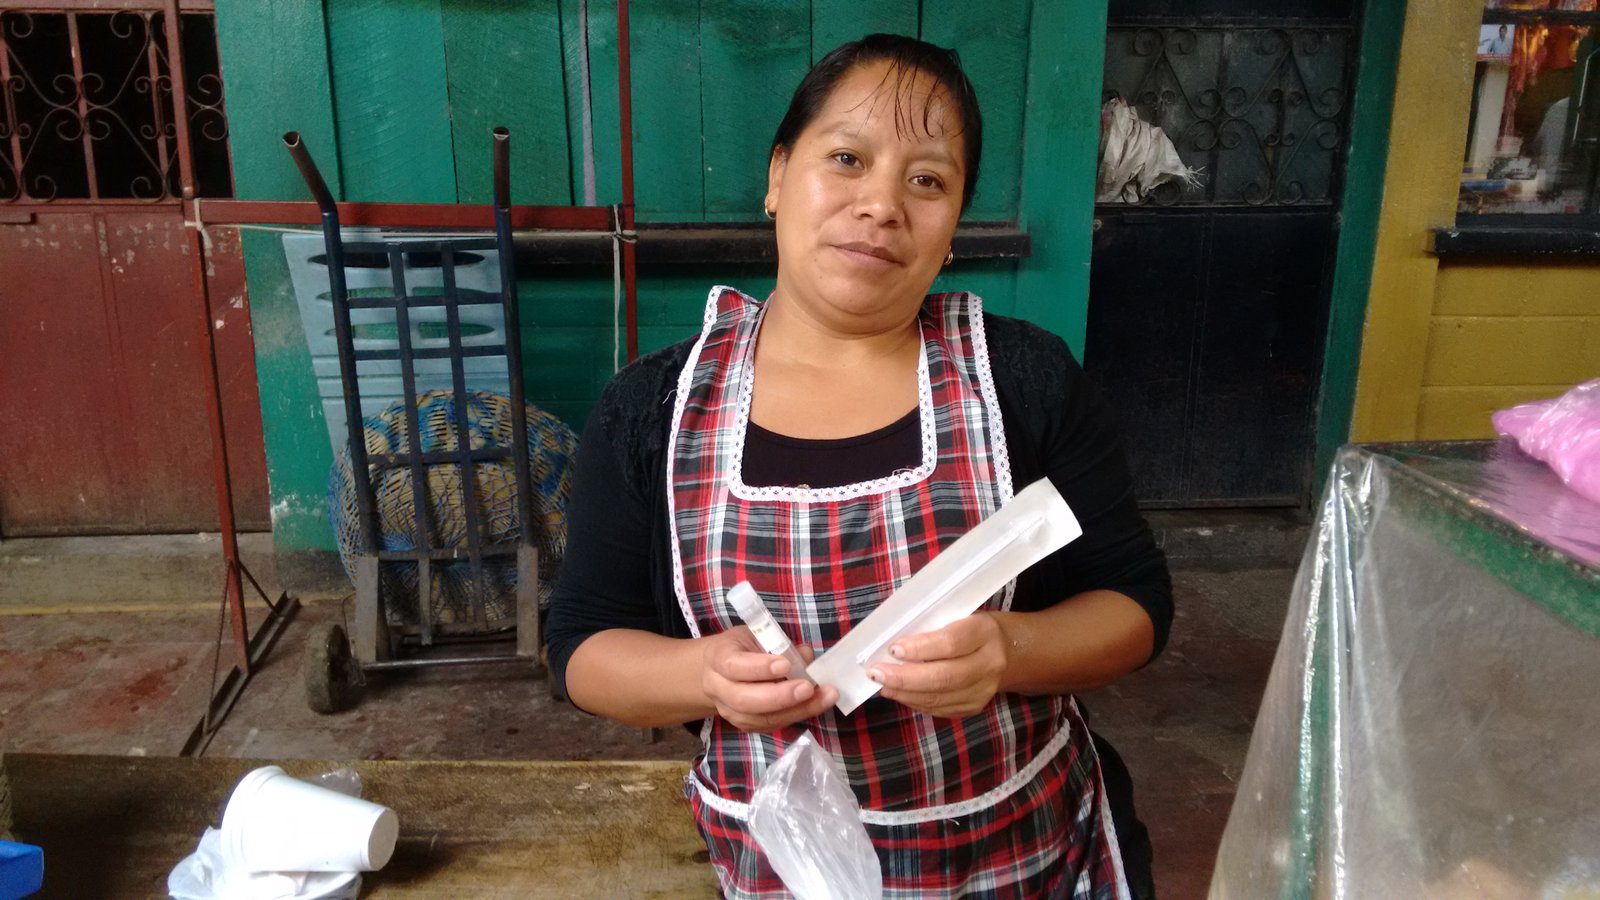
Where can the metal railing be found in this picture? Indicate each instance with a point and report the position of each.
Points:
(91, 91)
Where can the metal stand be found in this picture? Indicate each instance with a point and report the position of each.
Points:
(333, 678)
(251, 650)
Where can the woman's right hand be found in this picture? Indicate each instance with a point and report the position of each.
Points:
(750, 687)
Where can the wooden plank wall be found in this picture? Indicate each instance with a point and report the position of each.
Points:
(395, 100)
(516, 53)
(391, 100)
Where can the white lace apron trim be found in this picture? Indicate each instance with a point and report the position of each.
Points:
(985, 800)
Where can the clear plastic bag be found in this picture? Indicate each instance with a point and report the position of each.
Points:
(346, 781)
(1135, 156)
(807, 822)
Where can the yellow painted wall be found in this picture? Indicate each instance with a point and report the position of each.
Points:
(1501, 335)
(1445, 345)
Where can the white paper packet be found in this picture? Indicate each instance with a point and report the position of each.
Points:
(1036, 523)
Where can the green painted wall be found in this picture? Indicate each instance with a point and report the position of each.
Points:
(275, 86)
(395, 99)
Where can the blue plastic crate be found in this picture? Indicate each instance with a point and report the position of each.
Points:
(21, 870)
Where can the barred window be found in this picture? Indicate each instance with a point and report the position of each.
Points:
(1259, 112)
(89, 107)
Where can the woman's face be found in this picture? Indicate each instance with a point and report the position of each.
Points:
(865, 208)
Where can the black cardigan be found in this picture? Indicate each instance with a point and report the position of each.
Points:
(617, 570)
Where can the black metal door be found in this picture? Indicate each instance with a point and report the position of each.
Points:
(1208, 306)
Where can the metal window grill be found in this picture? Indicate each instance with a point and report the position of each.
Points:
(1261, 112)
(89, 105)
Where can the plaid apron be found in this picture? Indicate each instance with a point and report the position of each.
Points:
(1005, 803)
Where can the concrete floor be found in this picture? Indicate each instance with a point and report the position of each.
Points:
(133, 678)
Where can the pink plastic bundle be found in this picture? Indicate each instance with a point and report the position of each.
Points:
(1563, 432)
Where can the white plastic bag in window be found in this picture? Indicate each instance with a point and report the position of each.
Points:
(806, 820)
(1135, 157)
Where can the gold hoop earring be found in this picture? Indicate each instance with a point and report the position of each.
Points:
(771, 216)
(950, 257)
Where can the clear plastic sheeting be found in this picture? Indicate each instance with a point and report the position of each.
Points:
(1431, 725)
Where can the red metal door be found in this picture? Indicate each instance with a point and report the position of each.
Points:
(104, 423)
(102, 408)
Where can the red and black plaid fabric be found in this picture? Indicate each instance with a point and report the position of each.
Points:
(1050, 838)
(1007, 802)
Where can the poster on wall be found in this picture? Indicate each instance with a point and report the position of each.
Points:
(1495, 42)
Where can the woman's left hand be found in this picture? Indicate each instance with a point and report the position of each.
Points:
(952, 672)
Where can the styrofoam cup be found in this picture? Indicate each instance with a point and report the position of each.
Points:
(276, 823)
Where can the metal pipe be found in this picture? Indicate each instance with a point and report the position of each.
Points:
(256, 650)
(309, 172)
(422, 519)
(447, 554)
(464, 297)
(157, 108)
(387, 215)
(333, 246)
(513, 321)
(429, 352)
(625, 108)
(463, 451)
(82, 104)
(427, 662)
(104, 6)
(501, 136)
(233, 584)
(401, 460)
(172, 23)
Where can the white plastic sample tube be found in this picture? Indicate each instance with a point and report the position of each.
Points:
(955, 584)
(747, 603)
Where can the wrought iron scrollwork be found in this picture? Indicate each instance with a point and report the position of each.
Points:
(88, 107)
(1261, 112)
(206, 115)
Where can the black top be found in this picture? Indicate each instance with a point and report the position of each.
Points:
(617, 570)
(778, 460)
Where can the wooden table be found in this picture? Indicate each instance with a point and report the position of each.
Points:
(115, 826)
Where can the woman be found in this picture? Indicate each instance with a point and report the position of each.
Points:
(823, 445)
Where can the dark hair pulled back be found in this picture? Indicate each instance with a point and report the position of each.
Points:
(907, 57)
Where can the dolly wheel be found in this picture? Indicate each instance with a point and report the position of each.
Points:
(331, 674)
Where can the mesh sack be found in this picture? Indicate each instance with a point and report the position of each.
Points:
(456, 597)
